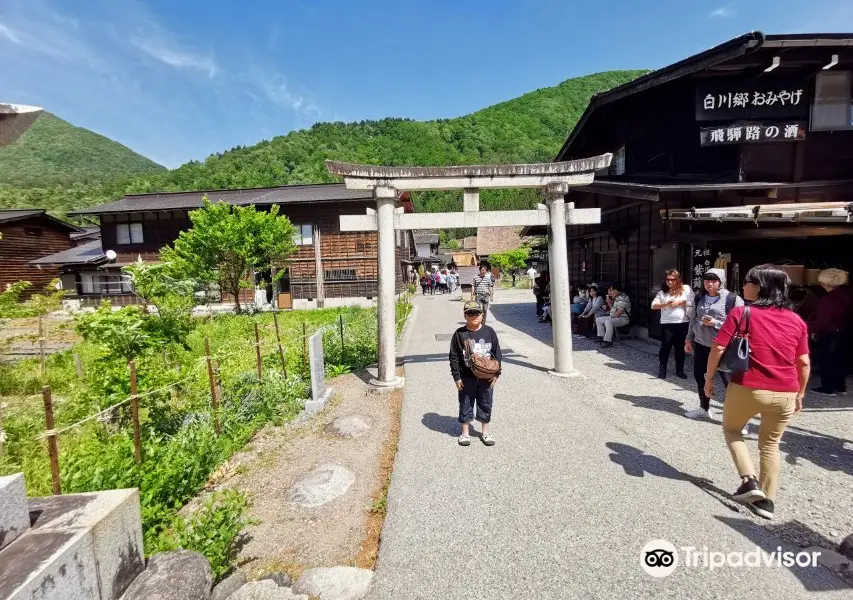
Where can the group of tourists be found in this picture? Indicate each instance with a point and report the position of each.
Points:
(442, 281)
(757, 345)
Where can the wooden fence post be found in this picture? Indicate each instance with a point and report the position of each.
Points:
(258, 351)
(78, 365)
(134, 411)
(52, 449)
(304, 347)
(213, 394)
(343, 345)
(278, 338)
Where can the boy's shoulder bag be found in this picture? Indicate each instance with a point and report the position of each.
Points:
(484, 367)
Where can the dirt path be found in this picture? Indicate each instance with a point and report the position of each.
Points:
(345, 531)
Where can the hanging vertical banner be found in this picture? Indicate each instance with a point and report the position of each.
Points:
(701, 264)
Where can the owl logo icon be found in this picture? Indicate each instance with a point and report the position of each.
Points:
(659, 558)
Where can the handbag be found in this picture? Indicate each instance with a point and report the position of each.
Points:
(735, 359)
(484, 367)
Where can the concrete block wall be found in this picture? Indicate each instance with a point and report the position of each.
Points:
(14, 515)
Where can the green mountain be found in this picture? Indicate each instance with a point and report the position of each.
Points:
(530, 128)
(55, 151)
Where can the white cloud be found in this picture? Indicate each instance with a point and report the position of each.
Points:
(275, 89)
(9, 34)
(161, 50)
(723, 12)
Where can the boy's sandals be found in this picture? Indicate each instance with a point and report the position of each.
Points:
(488, 440)
(464, 440)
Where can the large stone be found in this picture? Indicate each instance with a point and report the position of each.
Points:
(177, 575)
(225, 588)
(265, 589)
(14, 514)
(335, 583)
(846, 546)
(350, 426)
(322, 485)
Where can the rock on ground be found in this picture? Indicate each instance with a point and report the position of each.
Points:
(177, 575)
(846, 546)
(281, 579)
(335, 583)
(265, 590)
(350, 426)
(322, 485)
(225, 588)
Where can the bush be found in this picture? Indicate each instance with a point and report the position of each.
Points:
(212, 530)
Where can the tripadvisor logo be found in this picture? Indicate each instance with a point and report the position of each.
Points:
(659, 558)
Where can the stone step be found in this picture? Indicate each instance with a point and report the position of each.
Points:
(14, 514)
(79, 546)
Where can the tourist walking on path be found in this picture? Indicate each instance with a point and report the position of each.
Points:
(711, 307)
(620, 315)
(484, 284)
(831, 329)
(425, 283)
(773, 384)
(675, 303)
(474, 338)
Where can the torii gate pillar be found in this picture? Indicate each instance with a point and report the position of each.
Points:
(386, 200)
(561, 318)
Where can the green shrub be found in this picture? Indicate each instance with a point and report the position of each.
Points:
(212, 530)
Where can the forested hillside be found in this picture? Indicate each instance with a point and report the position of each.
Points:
(530, 128)
(55, 151)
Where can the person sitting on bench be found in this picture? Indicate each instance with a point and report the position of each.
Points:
(620, 315)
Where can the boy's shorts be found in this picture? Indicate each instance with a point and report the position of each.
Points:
(475, 392)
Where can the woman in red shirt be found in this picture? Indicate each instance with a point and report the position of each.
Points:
(773, 386)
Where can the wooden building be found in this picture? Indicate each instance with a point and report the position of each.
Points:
(137, 226)
(27, 235)
(707, 154)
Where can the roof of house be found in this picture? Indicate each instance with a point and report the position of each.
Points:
(491, 240)
(425, 236)
(470, 242)
(22, 214)
(88, 232)
(749, 43)
(288, 194)
(85, 254)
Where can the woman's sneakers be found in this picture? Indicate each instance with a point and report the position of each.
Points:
(697, 413)
(464, 440)
(749, 491)
(763, 508)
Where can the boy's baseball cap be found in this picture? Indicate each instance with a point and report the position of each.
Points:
(472, 305)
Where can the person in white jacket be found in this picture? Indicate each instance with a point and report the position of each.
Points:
(675, 303)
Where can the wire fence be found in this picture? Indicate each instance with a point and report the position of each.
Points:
(345, 342)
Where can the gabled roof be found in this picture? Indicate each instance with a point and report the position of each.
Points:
(491, 240)
(288, 194)
(425, 236)
(86, 254)
(738, 47)
(22, 214)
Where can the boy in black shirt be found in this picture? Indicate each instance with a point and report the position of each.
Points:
(484, 341)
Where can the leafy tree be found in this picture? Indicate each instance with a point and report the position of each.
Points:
(225, 243)
(121, 332)
(510, 260)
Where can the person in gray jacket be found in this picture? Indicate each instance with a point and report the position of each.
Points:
(711, 306)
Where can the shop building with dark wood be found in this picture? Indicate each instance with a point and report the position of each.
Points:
(737, 156)
(136, 227)
(27, 235)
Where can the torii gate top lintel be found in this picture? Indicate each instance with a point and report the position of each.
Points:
(536, 175)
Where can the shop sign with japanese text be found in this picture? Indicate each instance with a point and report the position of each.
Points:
(701, 264)
(752, 133)
(719, 100)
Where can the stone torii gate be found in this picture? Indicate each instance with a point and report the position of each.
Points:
(388, 183)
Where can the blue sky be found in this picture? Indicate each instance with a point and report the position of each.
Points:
(180, 79)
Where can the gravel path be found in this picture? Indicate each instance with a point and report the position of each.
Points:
(585, 472)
